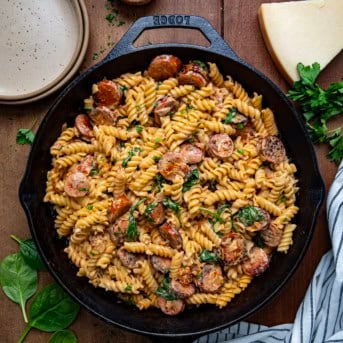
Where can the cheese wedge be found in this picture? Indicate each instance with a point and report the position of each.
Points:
(302, 31)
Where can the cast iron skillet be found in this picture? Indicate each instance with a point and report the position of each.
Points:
(123, 58)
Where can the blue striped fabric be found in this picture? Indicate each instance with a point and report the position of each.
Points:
(320, 316)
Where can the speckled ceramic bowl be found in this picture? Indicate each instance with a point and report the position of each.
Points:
(43, 44)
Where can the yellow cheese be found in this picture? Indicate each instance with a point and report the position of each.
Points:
(302, 31)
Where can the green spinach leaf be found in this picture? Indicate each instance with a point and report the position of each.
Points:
(165, 291)
(63, 336)
(131, 232)
(209, 257)
(230, 116)
(191, 181)
(249, 215)
(30, 254)
(18, 280)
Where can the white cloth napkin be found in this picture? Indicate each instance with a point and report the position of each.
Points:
(320, 316)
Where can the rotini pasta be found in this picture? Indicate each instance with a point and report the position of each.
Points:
(170, 184)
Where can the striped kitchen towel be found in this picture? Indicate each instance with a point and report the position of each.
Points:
(320, 316)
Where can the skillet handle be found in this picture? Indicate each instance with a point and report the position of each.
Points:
(125, 44)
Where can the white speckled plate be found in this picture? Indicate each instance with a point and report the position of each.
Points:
(42, 45)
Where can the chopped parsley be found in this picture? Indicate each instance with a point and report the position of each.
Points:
(240, 126)
(94, 171)
(207, 256)
(156, 158)
(25, 136)
(89, 207)
(139, 129)
(240, 151)
(110, 17)
(123, 88)
(128, 288)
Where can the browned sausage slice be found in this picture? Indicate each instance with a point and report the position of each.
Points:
(157, 214)
(273, 149)
(108, 93)
(84, 127)
(193, 74)
(76, 184)
(161, 264)
(256, 263)
(232, 248)
(211, 278)
(261, 222)
(192, 153)
(272, 235)
(171, 234)
(181, 290)
(118, 207)
(165, 105)
(102, 115)
(171, 308)
(86, 165)
(164, 66)
(118, 230)
(220, 145)
(171, 164)
(129, 259)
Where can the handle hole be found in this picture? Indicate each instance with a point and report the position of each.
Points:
(171, 35)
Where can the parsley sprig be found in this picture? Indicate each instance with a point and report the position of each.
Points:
(318, 106)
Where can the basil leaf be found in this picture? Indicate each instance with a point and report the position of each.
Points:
(131, 232)
(230, 116)
(207, 256)
(25, 136)
(249, 215)
(30, 254)
(63, 336)
(18, 280)
(52, 309)
(148, 211)
(191, 181)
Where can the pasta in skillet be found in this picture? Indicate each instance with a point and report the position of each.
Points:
(173, 188)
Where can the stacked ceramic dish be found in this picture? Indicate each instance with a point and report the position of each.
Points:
(43, 44)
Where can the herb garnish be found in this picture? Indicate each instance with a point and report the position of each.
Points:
(25, 136)
(128, 288)
(318, 107)
(131, 232)
(191, 181)
(167, 202)
(201, 64)
(216, 215)
(230, 116)
(139, 129)
(159, 180)
(240, 126)
(209, 257)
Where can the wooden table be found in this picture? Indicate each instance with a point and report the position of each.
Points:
(236, 21)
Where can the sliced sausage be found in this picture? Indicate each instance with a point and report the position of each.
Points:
(108, 93)
(220, 145)
(86, 164)
(232, 249)
(211, 278)
(102, 115)
(181, 290)
(164, 66)
(165, 105)
(129, 259)
(272, 235)
(161, 264)
(171, 308)
(185, 275)
(193, 74)
(171, 234)
(172, 164)
(118, 207)
(158, 214)
(192, 153)
(256, 263)
(118, 230)
(84, 126)
(273, 149)
(76, 184)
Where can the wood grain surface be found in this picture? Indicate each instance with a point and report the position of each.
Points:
(236, 21)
